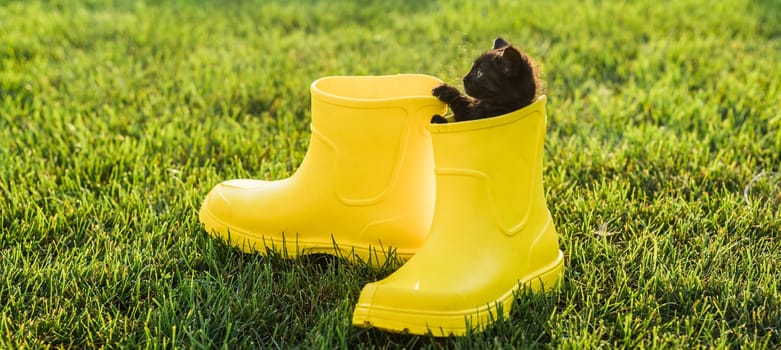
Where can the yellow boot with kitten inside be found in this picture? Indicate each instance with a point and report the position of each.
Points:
(491, 234)
(365, 187)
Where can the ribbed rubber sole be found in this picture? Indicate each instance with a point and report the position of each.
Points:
(293, 246)
(442, 324)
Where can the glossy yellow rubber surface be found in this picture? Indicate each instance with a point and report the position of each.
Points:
(491, 234)
(365, 186)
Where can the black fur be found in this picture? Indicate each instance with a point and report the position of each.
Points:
(501, 80)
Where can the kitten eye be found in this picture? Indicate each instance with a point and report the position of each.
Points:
(478, 74)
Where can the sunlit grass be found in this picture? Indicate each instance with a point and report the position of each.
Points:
(117, 117)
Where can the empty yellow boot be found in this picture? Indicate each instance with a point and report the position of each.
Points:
(365, 186)
(491, 233)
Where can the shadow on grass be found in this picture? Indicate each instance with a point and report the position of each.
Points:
(769, 12)
(314, 295)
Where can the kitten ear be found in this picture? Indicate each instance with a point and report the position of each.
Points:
(500, 43)
(512, 61)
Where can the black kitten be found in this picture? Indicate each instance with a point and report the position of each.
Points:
(501, 80)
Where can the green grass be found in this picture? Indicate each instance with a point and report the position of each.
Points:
(116, 118)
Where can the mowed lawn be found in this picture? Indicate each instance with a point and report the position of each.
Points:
(662, 168)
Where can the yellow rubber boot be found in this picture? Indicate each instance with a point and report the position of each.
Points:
(491, 233)
(365, 186)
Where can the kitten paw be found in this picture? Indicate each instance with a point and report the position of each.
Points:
(446, 93)
(438, 119)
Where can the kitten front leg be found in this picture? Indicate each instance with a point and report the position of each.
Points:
(438, 119)
(458, 102)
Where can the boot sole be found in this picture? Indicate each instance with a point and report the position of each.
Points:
(456, 323)
(262, 243)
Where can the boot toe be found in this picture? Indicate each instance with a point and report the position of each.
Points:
(412, 309)
(226, 204)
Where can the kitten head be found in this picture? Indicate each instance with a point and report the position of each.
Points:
(503, 75)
